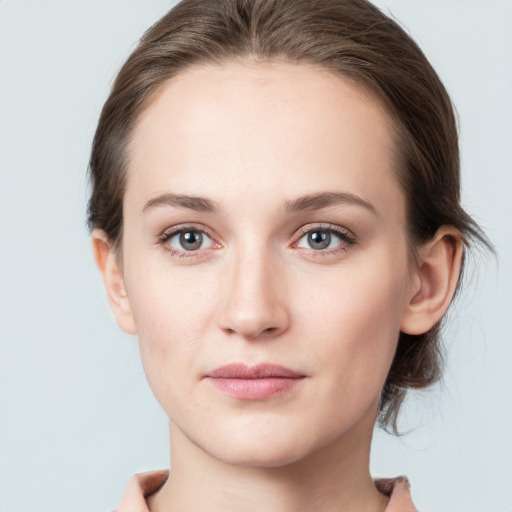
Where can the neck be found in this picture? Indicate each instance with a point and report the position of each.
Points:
(335, 477)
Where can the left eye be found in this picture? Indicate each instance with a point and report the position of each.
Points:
(189, 240)
(321, 239)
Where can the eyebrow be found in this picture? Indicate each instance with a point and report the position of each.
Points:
(200, 204)
(321, 200)
(310, 202)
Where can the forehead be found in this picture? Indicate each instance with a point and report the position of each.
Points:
(261, 127)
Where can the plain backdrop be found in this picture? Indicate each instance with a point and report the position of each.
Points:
(76, 415)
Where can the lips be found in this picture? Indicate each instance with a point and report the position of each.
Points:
(260, 371)
(254, 382)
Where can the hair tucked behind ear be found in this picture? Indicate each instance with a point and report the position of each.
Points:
(352, 39)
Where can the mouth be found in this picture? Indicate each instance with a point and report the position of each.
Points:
(254, 382)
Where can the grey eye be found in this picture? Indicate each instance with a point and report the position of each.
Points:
(190, 240)
(319, 239)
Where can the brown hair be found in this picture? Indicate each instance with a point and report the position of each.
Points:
(352, 39)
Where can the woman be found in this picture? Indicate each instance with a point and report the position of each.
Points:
(275, 213)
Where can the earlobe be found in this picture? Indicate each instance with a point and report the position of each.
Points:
(113, 279)
(434, 282)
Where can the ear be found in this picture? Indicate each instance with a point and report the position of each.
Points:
(113, 279)
(434, 281)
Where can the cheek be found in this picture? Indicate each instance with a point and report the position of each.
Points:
(172, 312)
(353, 318)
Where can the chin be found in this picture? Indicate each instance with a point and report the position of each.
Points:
(256, 456)
(261, 447)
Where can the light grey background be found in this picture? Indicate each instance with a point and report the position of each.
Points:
(76, 415)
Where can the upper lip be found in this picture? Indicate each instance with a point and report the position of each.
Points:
(260, 371)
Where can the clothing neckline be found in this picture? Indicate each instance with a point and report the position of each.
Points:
(142, 485)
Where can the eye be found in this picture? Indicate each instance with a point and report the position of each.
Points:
(181, 241)
(325, 239)
(319, 239)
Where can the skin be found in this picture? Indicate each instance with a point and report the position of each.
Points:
(255, 139)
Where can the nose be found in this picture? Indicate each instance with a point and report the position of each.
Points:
(254, 302)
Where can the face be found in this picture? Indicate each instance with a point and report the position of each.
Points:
(263, 224)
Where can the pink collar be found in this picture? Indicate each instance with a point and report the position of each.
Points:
(142, 485)
(400, 492)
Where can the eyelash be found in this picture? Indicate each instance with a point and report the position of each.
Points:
(167, 235)
(346, 237)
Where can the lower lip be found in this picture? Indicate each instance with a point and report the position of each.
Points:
(255, 389)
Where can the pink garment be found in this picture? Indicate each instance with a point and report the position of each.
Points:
(144, 484)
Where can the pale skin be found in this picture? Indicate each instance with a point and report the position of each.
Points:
(275, 152)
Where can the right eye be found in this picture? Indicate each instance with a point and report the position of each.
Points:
(186, 241)
(189, 240)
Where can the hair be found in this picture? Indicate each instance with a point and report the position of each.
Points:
(350, 38)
